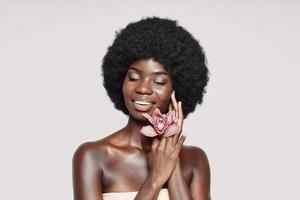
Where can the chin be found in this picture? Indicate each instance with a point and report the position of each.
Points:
(139, 118)
(138, 115)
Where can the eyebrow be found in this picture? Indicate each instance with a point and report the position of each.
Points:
(155, 73)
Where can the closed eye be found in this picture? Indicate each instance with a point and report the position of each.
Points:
(160, 83)
(133, 79)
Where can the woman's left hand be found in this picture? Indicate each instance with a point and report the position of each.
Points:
(179, 120)
(178, 117)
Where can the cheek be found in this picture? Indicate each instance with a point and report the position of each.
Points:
(125, 91)
(164, 98)
(126, 100)
(125, 87)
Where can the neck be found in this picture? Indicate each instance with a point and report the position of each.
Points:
(136, 139)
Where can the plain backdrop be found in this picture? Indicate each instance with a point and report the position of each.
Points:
(52, 98)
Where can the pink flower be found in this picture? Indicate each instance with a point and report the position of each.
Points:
(161, 124)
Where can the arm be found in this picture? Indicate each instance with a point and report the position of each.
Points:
(162, 160)
(178, 188)
(149, 190)
(200, 185)
(86, 174)
(177, 185)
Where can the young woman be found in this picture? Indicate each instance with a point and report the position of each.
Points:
(152, 64)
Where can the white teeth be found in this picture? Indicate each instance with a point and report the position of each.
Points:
(143, 103)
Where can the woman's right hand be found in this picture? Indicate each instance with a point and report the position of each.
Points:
(163, 157)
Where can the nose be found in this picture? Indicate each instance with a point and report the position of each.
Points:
(144, 87)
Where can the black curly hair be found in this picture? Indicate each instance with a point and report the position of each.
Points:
(166, 42)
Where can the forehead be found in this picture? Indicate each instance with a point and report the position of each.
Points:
(148, 66)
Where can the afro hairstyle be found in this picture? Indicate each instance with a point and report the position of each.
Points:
(166, 42)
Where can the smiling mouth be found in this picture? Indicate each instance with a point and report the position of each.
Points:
(142, 105)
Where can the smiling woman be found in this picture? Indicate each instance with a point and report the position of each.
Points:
(154, 65)
(146, 81)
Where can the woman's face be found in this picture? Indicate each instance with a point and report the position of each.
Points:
(147, 85)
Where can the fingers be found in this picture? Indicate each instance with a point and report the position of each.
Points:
(155, 143)
(178, 146)
(175, 106)
(180, 114)
(162, 144)
(170, 109)
(169, 144)
(165, 144)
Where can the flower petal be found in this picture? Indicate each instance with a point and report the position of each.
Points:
(172, 130)
(146, 115)
(156, 115)
(148, 131)
(158, 131)
(169, 116)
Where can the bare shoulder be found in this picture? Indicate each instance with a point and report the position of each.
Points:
(93, 151)
(194, 151)
(100, 150)
(88, 163)
(193, 154)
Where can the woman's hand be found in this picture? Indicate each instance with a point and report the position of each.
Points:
(179, 120)
(162, 158)
(165, 152)
(178, 116)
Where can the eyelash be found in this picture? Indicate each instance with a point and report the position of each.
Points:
(134, 79)
(160, 83)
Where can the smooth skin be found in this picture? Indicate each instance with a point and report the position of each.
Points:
(128, 161)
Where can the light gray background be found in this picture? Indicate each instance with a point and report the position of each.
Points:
(52, 98)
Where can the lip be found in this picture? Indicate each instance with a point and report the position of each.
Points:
(141, 107)
(143, 99)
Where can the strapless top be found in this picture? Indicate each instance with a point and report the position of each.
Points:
(163, 195)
